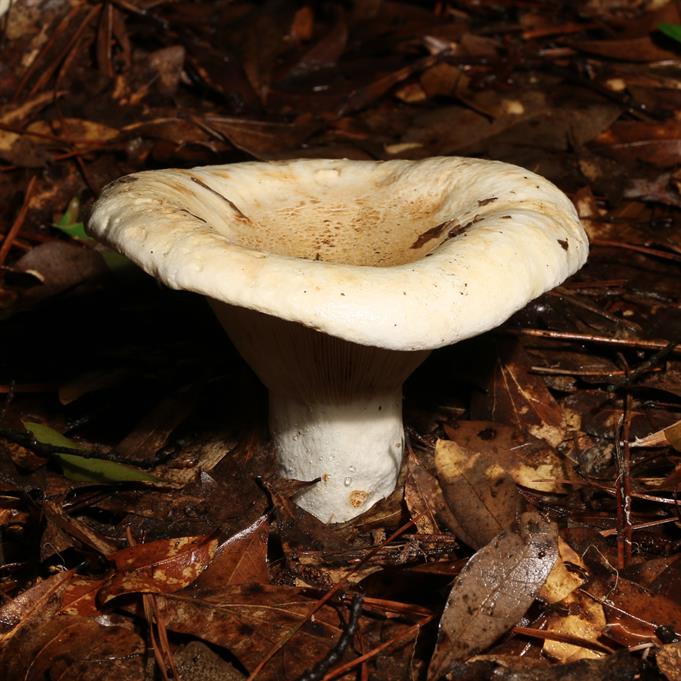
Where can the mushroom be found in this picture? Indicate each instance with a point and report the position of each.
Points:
(335, 278)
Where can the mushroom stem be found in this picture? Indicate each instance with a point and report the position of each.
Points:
(354, 446)
(335, 408)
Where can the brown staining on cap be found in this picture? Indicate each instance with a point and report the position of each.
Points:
(231, 204)
(432, 233)
(357, 498)
(484, 202)
(563, 244)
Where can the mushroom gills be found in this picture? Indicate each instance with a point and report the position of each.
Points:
(335, 408)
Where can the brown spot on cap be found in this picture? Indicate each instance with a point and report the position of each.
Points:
(484, 202)
(432, 233)
(563, 244)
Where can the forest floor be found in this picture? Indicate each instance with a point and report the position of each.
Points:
(144, 533)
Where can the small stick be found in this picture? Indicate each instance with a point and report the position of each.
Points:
(400, 638)
(318, 672)
(638, 249)
(649, 365)
(325, 598)
(18, 222)
(635, 343)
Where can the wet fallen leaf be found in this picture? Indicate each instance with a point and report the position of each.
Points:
(479, 492)
(250, 620)
(78, 648)
(521, 398)
(530, 461)
(162, 566)
(492, 592)
(241, 559)
(621, 666)
(423, 496)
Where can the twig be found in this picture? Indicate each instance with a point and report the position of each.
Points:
(318, 672)
(18, 222)
(608, 243)
(324, 599)
(641, 526)
(623, 485)
(648, 365)
(400, 638)
(634, 343)
(546, 635)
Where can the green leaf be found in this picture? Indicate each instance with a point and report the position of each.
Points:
(81, 468)
(71, 213)
(50, 436)
(69, 223)
(672, 31)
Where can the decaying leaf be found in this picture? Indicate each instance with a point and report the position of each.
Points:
(249, 620)
(530, 461)
(568, 573)
(669, 436)
(423, 497)
(634, 614)
(78, 648)
(668, 658)
(494, 589)
(162, 566)
(585, 620)
(479, 492)
(621, 666)
(241, 559)
(520, 398)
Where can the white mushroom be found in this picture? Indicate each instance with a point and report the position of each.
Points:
(335, 278)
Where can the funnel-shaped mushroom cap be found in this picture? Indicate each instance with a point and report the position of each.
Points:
(405, 255)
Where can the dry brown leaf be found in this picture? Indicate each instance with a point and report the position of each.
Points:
(657, 143)
(494, 590)
(520, 398)
(75, 648)
(480, 493)
(568, 574)
(74, 131)
(530, 461)
(162, 566)
(423, 496)
(249, 620)
(585, 620)
(668, 658)
(153, 431)
(241, 559)
(669, 436)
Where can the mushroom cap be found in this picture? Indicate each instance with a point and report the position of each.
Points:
(405, 255)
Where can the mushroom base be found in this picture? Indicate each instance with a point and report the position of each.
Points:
(335, 408)
(354, 448)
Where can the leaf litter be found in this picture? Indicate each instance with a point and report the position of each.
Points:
(143, 530)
